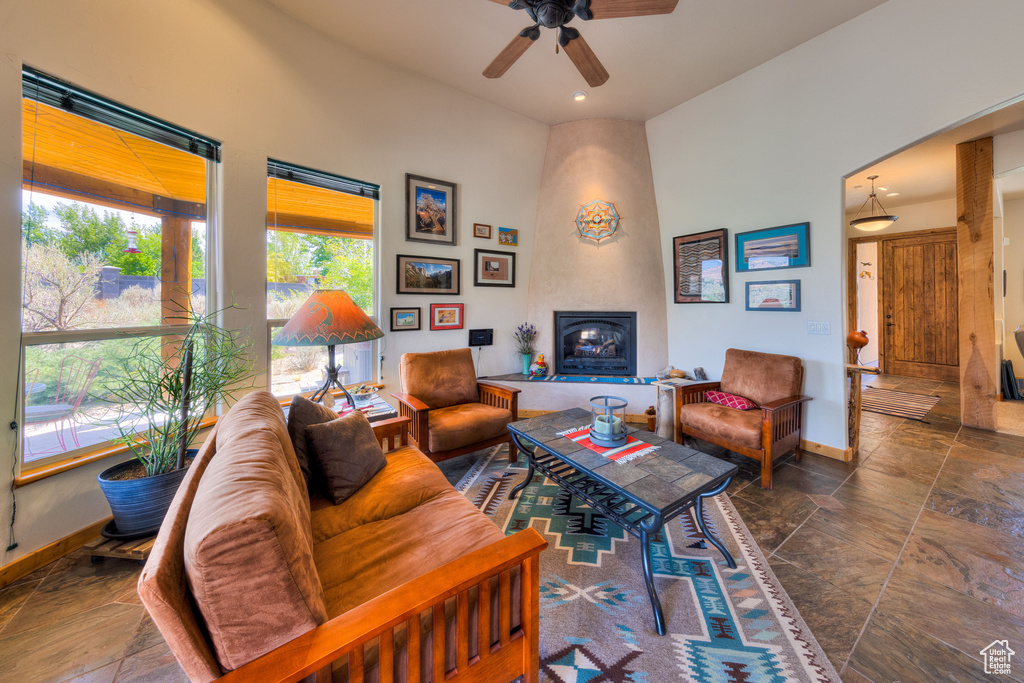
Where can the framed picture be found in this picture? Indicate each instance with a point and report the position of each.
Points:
(494, 268)
(787, 246)
(775, 295)
(405, 319)
(701, 267)
(427, 275)
(429, 210)
(482, 231)
(508, 237)
(446, 316)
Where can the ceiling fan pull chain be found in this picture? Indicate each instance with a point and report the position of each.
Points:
(556, 43)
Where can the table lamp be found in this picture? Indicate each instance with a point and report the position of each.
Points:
(328, 318)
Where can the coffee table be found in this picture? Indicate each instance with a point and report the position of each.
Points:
(640, 495)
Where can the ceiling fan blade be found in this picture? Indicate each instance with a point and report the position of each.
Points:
(507, 57)
(586, 61)
(617, 9)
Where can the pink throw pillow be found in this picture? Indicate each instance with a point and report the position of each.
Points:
(729, 400)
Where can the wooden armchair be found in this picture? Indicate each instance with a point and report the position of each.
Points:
(773, 429)
(452, 413)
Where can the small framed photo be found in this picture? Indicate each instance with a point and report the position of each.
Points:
(427, 275)
(429, 210)
(774, 295)
(405, 319)
(508, 237)
(786, 246)
(446, 316)
(482, 231)
(701, 265)
(494, 268)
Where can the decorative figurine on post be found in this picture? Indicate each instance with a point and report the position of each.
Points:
(855, 341)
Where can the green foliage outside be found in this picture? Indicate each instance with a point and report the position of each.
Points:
(342, 263)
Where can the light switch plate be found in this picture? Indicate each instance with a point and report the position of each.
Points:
(819, 327)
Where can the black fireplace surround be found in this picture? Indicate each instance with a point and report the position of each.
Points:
(595, 343)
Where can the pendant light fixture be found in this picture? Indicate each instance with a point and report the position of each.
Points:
(876, 220)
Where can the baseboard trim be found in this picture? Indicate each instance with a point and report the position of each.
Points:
(23, 566)
(841, 454)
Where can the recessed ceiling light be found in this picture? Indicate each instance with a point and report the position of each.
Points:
(579, 95)
(893, 194)
(883, 189)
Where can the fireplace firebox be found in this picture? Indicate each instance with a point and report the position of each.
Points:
(595, 343)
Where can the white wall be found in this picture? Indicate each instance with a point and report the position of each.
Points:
(772, 146)
(869, 279)
(266, 86)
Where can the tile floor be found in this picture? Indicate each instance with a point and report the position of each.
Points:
(905, 562)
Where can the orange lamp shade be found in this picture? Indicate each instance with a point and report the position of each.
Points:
(327, 318)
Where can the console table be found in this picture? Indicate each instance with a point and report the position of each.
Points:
(641, 495)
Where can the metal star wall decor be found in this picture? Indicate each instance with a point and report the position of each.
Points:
(597, 220)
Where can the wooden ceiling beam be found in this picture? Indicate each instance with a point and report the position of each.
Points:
(329, 227)
(78, 187)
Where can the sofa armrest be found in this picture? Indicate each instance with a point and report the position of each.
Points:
(315, 650)
(500, 396)
(394, 431)
(784, 402)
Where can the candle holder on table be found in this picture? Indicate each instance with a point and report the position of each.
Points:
(608, 421)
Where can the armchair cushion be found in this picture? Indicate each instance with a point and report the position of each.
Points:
(729, 400)
(440, 378)
(460, 425)
(761, 377)
(740, 426)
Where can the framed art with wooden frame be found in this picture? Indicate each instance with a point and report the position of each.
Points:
(429, 210)
(785, 246)
(494, 268)
(446, 316)
(482, 231)
(774, 295)
(405, 319)
(427, 275)
(701, 267)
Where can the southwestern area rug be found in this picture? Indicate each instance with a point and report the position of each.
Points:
(596, 625)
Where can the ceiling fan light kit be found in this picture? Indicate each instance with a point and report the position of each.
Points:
(555, 14)
(874, 220)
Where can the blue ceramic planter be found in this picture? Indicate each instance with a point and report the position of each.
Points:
(140, 505)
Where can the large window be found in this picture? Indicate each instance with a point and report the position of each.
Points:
(114, 247)
(320, 234)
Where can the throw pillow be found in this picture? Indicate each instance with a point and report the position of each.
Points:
(301, 415)
(348, 453)
(729, 400)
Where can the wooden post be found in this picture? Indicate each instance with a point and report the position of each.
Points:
(175, 269)
(854, 372)
(978, 372)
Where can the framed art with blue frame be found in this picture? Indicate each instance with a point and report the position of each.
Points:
(773, 295)
(784, 246)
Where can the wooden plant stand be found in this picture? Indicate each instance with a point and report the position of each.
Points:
(138, 549)
(854, 372)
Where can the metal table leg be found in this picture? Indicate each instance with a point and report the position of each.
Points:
(645, 553)
(529, 463)
(703, 527)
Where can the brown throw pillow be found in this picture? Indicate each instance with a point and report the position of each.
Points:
(301, 414)
(348, 453)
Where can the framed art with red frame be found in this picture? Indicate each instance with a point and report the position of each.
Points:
(446, 316)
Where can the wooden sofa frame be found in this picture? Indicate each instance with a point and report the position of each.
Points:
(513, 653)
(490, 394)
(781, 427)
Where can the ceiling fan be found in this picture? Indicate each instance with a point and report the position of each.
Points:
(558, 13)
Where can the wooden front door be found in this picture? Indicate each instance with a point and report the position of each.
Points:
(919, 307)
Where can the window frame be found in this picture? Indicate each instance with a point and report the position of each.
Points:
(309, 176)
(43, 89)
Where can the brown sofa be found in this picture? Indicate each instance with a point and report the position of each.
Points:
(251, 578)
(764, 433)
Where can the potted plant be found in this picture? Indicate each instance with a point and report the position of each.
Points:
(164, 388)
(525, 335)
